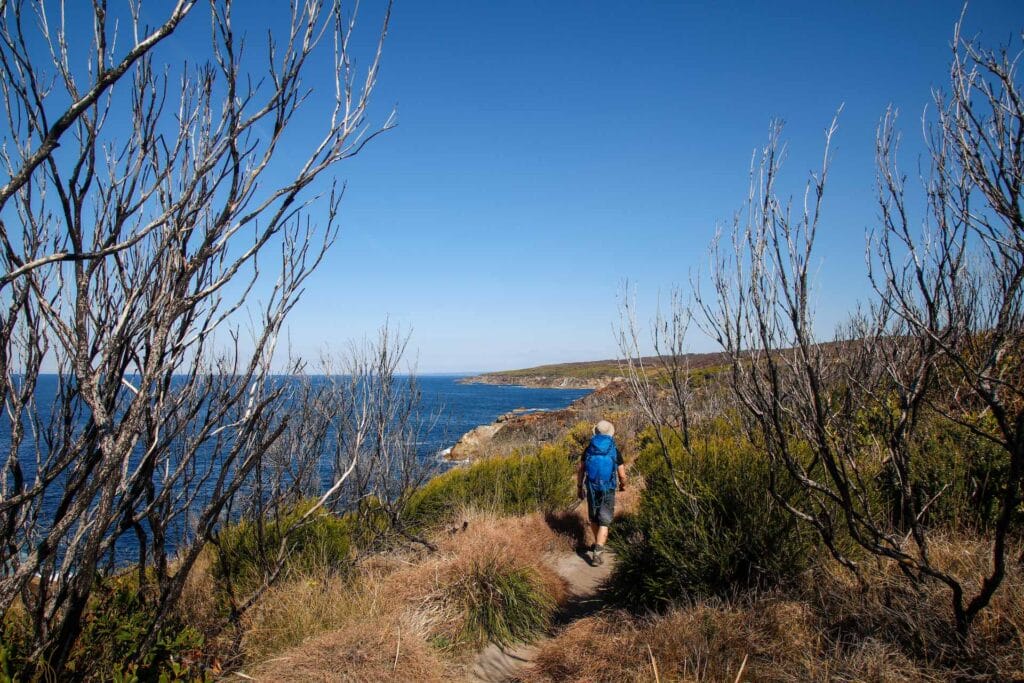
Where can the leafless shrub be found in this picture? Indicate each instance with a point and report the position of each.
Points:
(938, 344)
(940, 339)
(137, 219)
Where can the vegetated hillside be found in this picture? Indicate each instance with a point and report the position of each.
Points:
(585, 374)
(730, 591)
(708, 575)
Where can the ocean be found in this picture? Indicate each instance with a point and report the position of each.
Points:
(447, 408)
(461, 407)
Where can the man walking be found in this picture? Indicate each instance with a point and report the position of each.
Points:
(600, 472)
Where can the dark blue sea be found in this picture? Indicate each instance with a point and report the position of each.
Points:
(447, 410)
(461, 407)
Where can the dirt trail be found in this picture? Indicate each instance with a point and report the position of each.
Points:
(495, 663)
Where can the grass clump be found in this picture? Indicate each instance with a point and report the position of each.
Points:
(503, 604)
(705, 526)
(767, 637)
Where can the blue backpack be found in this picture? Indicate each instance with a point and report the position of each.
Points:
(600, 463)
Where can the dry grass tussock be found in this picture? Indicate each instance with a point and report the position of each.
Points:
(434, 589)
(770, 639)
(369, 649)
(828, 629)
(919, 620)
(295, 610)
(401, 617)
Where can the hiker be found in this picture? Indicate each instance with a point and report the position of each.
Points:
(600, 472)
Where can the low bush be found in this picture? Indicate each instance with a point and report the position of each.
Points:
(117, 619)
(956, 476)
(510, 485)
(246, 551)
(15, 645)
(116, 622)
(913, 617)
(717, 532)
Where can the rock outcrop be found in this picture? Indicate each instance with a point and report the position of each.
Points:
(473, 441)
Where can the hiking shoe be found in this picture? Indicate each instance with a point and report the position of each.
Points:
(598, 555)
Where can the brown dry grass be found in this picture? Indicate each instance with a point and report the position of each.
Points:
(293, 611)
(918, 620)
(198, 603)
(403, 604)
(373, 649)
(771, 639)
(826, 630)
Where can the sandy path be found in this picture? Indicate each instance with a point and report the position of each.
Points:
(495, 663)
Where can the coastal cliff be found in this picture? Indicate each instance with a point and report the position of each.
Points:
(596, 374)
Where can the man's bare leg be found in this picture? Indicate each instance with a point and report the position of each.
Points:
(600, 538)
(600, 535)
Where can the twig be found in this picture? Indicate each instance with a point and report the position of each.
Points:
(654, 664)
(743, 666)
(398, 647)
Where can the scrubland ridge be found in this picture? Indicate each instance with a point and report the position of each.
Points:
(584, 374)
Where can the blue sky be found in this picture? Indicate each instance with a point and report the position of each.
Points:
(547, 152)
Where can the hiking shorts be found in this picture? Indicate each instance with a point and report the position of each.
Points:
(601, 506)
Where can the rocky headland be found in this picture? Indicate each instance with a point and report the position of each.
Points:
(531, 425)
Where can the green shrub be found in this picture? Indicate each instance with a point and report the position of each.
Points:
(117, 618)
(15, 646)
(724, 534)
(503, 604)
(577, 439)
(956, 475)
(510, 485)
(245, 553)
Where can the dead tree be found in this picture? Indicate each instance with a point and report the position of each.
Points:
(955, 287)
(389, 468)
(942, 336)
(662, 385)
(350, 446)
(143, 204)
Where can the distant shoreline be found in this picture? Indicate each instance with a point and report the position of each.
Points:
(581, 375)
(538, 382)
